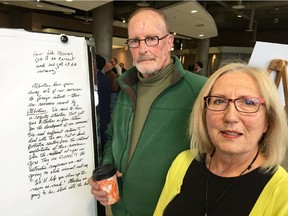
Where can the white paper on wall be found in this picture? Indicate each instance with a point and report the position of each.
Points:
(263, 53)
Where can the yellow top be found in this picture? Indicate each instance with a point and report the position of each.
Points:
(273, 201)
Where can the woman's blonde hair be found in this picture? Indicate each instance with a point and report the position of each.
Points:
(273, 143)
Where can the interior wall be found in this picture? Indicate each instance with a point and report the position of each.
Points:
(4, 20)
(123, 55)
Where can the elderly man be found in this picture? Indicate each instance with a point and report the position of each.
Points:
(150, 118)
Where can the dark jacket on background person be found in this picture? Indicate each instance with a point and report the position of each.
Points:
(104, 89)
(104, 92)
(159, 143)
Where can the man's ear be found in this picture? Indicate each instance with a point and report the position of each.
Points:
(171, 40)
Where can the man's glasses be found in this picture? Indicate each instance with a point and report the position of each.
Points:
(149, 41)
(243, 104)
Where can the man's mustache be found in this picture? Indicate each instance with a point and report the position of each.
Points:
(144, 58)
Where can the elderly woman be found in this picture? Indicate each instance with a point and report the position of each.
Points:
(238, 131)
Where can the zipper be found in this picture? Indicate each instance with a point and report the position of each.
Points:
(148, 116)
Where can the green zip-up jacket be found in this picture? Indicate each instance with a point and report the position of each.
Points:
(164, 136)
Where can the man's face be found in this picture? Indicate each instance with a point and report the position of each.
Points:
(149, 60)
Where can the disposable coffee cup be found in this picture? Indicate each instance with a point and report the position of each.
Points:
(105, 176)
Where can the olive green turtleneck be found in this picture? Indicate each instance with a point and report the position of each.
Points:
(147, 91)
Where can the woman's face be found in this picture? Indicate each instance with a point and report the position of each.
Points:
(231, 131)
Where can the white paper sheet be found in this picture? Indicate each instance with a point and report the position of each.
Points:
(46, 146)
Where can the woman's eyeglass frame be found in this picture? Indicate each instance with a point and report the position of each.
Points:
(242, 104)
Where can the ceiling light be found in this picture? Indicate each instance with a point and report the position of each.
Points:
(201, 35)
(143, 4)
(199, 25)
(238, 7)
(194, 11)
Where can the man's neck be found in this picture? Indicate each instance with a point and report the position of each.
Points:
(148, 75)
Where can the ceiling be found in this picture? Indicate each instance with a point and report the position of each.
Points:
(260, 21)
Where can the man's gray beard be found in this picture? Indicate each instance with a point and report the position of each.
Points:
(149, 72)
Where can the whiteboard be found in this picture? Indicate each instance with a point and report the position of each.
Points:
(46, 146)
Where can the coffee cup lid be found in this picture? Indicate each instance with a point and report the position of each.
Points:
(103, 172)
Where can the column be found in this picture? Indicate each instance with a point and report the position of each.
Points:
(103, 30)
(202, 52)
